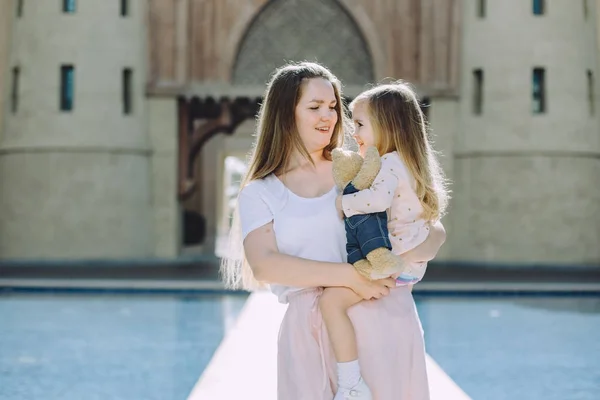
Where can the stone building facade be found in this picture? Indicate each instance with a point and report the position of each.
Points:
(124, 127)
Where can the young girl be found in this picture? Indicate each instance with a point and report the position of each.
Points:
(410, 185)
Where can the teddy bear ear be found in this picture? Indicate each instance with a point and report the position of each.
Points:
(337, 153)
(372, 151)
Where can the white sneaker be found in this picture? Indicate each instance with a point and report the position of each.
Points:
(359, 392)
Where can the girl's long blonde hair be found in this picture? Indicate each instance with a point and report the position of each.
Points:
(277, 139)
(399, 125)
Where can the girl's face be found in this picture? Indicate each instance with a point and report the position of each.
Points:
(315, 114)
(363, 131)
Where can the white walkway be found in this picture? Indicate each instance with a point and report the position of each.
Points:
(244, 365)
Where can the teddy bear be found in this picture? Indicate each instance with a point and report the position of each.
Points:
(365, 232)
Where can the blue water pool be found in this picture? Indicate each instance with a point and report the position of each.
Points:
(516, 348)
(84, 346)
(74, 346)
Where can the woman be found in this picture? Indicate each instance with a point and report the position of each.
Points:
(292, 237)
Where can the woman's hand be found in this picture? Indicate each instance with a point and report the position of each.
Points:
(371, 289)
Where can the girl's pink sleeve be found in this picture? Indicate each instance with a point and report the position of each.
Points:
(376, 198)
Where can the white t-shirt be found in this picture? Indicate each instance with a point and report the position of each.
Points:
(304, 227)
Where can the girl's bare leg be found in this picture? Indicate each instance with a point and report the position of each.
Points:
(334, 304)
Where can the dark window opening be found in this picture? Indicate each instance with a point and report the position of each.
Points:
(539, 90)
(69, 6)
(127, 82)
(478, 91)
(67, 87)
(14, 95)
(590, 92)
(539, 7)
(20, 8)
(124, 8)
(481, 8)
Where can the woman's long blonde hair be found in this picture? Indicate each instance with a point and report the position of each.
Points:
(277, 138)
(399, 125)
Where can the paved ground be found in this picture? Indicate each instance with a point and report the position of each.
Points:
(244, 366)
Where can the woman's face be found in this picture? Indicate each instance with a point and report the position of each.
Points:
(363, 131)
(315, 114)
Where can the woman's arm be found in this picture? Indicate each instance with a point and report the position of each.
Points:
(270, 266)
(427, 250)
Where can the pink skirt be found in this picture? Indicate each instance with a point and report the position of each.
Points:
(391, 349)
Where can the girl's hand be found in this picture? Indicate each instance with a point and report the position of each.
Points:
(369, 290)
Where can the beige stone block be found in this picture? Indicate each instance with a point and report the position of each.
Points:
(167, 231)
(527, 210)
(74, 205)
(99, 43)
(162, 125)
(507, 54)
(164, 180)
(507, 124)
(5, 67)
(443, 120)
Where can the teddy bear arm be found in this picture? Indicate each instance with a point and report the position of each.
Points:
(368, 171)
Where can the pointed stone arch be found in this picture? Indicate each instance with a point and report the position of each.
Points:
(294, 30)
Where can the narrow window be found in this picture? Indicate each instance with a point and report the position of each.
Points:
(14, 95)
(478, 91)
(69, 6)
(481, 8)
(539, 90)
(127, 82)
(539, 7)
(124, 8)
(20, 8)
(67, 87)
(590, 92)
(586, 9)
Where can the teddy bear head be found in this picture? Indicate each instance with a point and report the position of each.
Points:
(346, 165)
(349, 166)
